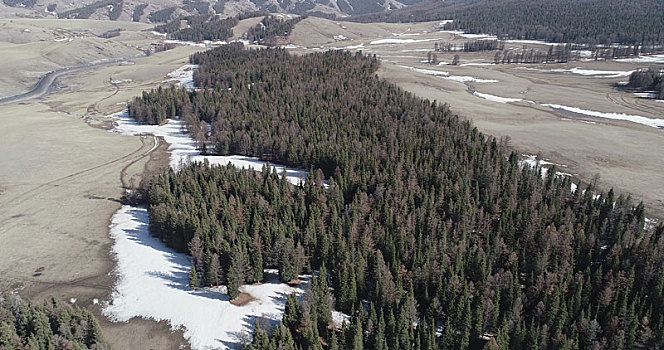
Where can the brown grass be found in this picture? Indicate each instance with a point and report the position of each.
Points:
(243, 299)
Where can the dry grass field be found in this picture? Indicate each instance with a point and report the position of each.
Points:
(622, 153)
(62, 179)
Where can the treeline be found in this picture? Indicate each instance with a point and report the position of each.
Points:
(196, 6)
(648, 79)
(138, 12)
(303, 324)
(163, 15)
(555, 54)
(272, 28)
(114, 12)
(199, 28)
(470, 46)
(52, 325)
(563, 21)
(427, 223)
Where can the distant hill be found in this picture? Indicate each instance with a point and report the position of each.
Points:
(582, 21)
(163, 10)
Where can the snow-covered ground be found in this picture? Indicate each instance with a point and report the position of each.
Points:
(652, 122)
(153, 283)
(183, 147)
(468, 79)
(183, 76)
(399, 41)
(532, 161)
(586, 72)
(180, 42)
(496, 98)
(644, 59)
(446, 75)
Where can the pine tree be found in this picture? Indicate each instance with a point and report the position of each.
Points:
(194, 281)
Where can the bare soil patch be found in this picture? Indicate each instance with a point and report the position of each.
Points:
(243, 299)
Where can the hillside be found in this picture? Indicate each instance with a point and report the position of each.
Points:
(585, 21)
(162, 11)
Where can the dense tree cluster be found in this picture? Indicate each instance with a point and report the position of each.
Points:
(199, 28)
(557, 54)
(114, 10)
(138, 12)
(271, 28)
(427, 225)
(110, 33)
(470, 46)
(568, 21)
(163, 15)
(52, 325)
(648, 79)
(21, 3)
(304, 324)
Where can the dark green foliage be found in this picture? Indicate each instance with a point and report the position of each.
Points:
(52, 325)
(196, 6)
(87, 10)
(199, 28)
(571, 21)
(649, 79)
(427, 223)
(138, 12)
(271, 28)
(163, 15)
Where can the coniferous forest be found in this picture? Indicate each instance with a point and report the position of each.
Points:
(648, 79)
(271, 28)
(567, 21)
(428, 233)
(52, 325)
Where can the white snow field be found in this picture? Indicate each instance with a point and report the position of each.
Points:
(153, 283)
(183, 147)
(399, 41)
(496, 98)
(184, 76)
(652, 122)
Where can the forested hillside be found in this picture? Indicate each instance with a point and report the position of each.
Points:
(199, 28)
(573, 21)
(271, 29)
(432, 233)
(52, 325)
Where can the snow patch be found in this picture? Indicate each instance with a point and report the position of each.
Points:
(496, 98)
(180, 42)
(399, 41)
(467, 79)
(121, 81)
(184, 76)
(153, 283)
(652, 122)
(644, 59)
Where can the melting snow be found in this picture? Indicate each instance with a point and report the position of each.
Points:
(644, 59)
(184, 76)
(399, 41)
(652, 122)
(496, 98)
(465, 79)
(153, 283)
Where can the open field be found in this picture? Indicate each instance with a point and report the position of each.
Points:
(623, 153)
(63, 179)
